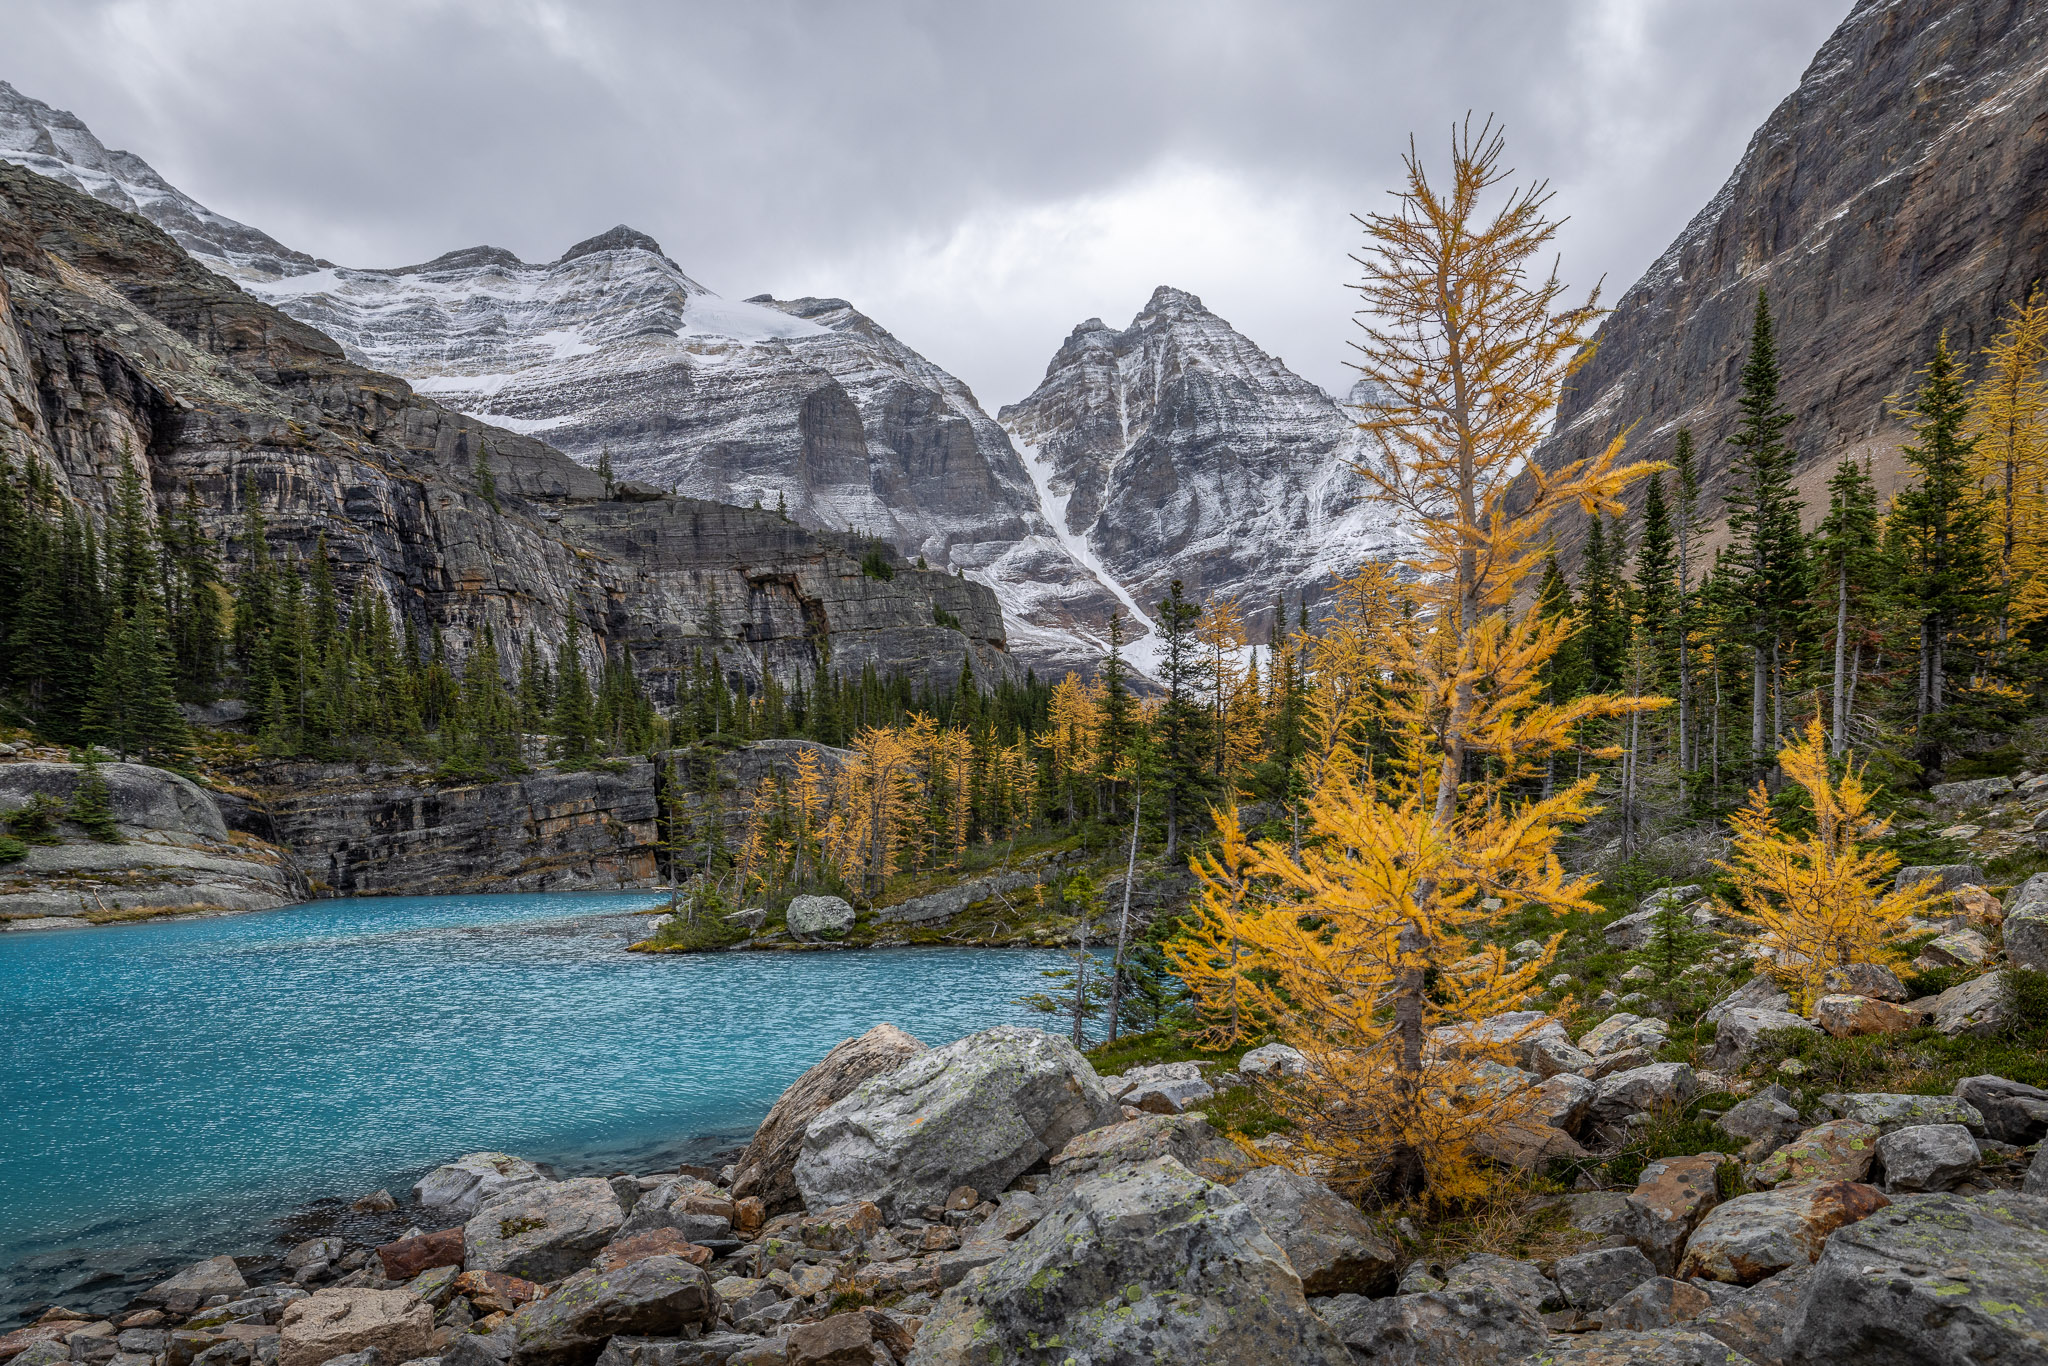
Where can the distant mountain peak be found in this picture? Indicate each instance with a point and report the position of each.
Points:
(621, 238)
(1167, 299)
(467, 258)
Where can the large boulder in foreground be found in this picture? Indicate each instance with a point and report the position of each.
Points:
(1146, 1263)
(1934, 1278)
(1754, 1236)
(767, 1169)
(653, 1296)
(974, 1113)
(196, 1284)
(336, 1322)
(543, 1232)
(1188, 1139)
(1330, 1245)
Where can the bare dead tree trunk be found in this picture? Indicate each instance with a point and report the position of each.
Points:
(1841, 728)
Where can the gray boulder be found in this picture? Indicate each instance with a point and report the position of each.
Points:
(1556, 1055)
(1889, 1111)
(1187, 1139)
(1622, 1031)
(1149, 1263)
(1168, 1088)
(460, 1188)
(195, 1285)
(1927, 1157)
(767, 1169)
(1593, 1280)
(1766, 1120)
(1865, 979)
(713, 1349)
(1758, 993)
(1934, 1278)
(1743, 1240)
(974, 1113)
(1753, 1321)
(143, 798)
(1511, 1276)
(1949, 875)
(2037, 1173)
(1738, 1032)
(543, 1232)
(1272, 1060)
(1968, 793)
(1974, 1009)
(1660, 1302)
(654, 1295)
(1563, 1101)
(683, 1204)
(2026, 924)
(1476, 1325)
(812, 916)
(1654, 1087)
(1659, 1347)
(1331, 1246)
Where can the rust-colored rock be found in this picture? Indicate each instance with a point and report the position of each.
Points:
(494, 1292)
(749, 1213)
(766, 1169)
(841, 1340)
(408, 1257)
(1754, 1236)
(655, 1242)
(20, 1340)
(336, 1322)
(1846, 1017)
(1670, 1199)
(841, 1227)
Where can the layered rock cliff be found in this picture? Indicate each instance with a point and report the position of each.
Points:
(1899, 192)
(1177, 449)
(116, 345)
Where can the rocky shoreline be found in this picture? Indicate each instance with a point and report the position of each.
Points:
(996, 1200)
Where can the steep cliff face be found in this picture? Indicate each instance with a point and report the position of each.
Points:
(1178, 449)
(114, 344)
(1900, 191)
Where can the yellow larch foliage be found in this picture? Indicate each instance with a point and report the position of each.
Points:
(1074, 723)
(2009, 418)
(1245, 722)
(1220, 634)
(1406, 861)
(1818, 900)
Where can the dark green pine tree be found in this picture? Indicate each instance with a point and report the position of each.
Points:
(92, 803)
(1848, 555)
(133, 708)
(1941, 529)
(255, 608)
(197, 631)
(1182, 726)
(1603, 606)
(575, 724)
(1119, 712)
(1763, 528)
(132, 563)
(1657, 583)
(1687, 526)
(1565, 675)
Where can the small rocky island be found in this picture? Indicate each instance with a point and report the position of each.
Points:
(996, 1200)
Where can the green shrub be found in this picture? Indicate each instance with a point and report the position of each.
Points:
(12, 850)
(2026, 996)
(941, 617)
(875, 564)
(36, 823)
(92, 805)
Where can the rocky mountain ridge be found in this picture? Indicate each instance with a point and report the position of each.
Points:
(1899, 192)
(1177, 449)
(115, 345)
(1233, 480)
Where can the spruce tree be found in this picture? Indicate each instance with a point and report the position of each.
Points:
(1604, 607)
(1941, 527)
(133, 707)
(574, 724)
(1182, 726)
(195, 611)
(486, 481)
(1656, 579)
(1763, 528)
(1687, 527)
(1119, 709)
(92, 804)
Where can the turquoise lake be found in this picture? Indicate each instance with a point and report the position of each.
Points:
(170, 1089)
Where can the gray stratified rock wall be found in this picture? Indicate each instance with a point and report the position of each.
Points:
(1901, 190)
(114, 344)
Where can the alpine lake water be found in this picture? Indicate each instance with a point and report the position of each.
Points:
(168, 1090)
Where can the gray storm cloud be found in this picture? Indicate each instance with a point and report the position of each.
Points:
(977, 177)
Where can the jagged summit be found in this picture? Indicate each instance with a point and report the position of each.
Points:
(620, 238)
(1177, 449)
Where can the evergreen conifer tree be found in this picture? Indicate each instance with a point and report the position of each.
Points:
(92, 804)
(1940, 526)
(486, 481)
(1181, 726)
(575, 725)
(1847, 555)
(1763, 527)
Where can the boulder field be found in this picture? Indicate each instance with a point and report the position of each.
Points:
(995, 1200)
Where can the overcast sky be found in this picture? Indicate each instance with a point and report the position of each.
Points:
(978, 177)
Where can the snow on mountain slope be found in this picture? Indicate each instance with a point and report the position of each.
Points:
(54, 143)
(1177, 449)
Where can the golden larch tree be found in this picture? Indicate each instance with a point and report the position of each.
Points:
(2009, 419)
(1819, 900)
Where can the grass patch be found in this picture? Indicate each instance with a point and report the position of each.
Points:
(706, 934)
(1242, 1111)
(1504, 1222)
